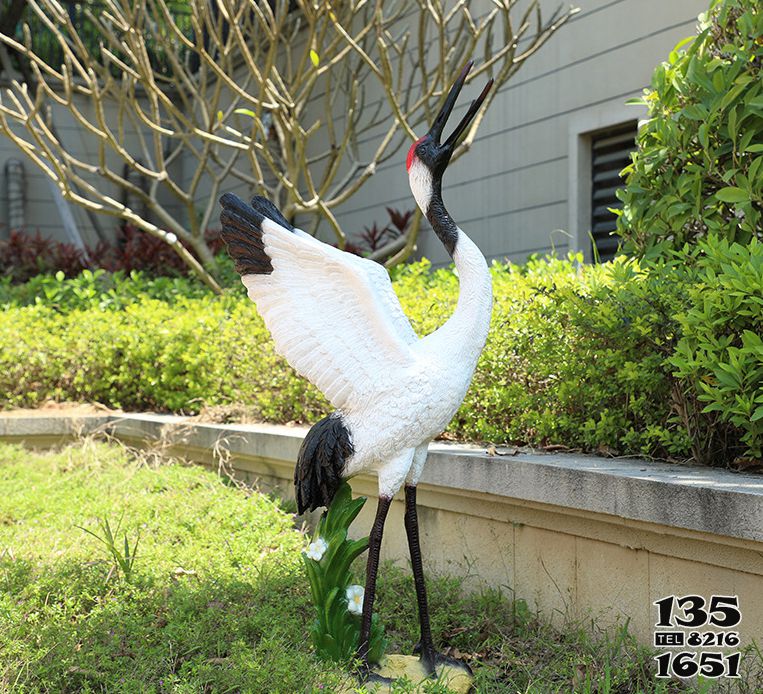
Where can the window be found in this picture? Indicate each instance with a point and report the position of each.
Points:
(610, 154)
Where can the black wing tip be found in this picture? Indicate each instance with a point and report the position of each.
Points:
(242, 231)
(266, 208)
(233, 204)
(321, 462)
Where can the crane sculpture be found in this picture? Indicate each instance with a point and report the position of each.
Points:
(336, 319)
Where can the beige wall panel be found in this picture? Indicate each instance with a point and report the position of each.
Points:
(456, 544)
(544, 572)
(613, 585)
(460, 544)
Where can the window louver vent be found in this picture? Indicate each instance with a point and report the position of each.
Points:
(610, 154)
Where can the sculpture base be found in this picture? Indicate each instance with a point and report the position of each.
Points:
(398, 666)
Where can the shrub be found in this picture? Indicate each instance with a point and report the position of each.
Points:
(575, 356)
(102, 290)
(719, 357)
(375, 237)
(661, 359)
(694, 195)
(136, 250)
(23, 256)
(699, 164)
(151, 355)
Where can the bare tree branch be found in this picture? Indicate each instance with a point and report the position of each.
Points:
(273, 96)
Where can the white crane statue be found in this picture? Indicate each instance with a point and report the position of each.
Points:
(336, 319)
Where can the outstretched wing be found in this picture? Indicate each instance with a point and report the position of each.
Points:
(330, 315)
(379, 280)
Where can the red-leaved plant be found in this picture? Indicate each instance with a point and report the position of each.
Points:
(375, 237)
(24, 255)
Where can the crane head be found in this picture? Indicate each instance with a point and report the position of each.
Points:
(429, 150)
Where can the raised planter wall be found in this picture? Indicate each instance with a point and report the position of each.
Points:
(575, 536)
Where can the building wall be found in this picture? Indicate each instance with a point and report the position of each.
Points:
(40, 211)
(518, 190)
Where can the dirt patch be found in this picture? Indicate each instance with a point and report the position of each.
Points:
(60, 409)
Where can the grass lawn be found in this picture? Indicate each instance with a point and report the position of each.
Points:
(216, 599)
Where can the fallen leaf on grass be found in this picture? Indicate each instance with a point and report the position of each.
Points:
(492, 450)
(458, 654)
(455, 632)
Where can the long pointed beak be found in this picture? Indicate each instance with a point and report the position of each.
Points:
(435, 132)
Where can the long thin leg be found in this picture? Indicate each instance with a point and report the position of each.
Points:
(372, 567)
(412, 530)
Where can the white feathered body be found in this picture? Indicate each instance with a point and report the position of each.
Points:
(337, 321)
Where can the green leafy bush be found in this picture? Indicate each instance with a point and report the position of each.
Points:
(151, 356)
(699, 164)
(575, 355)
(619, 358)
(694, 195)
(106, 290)
(719, 357)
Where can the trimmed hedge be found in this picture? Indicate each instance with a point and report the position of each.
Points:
(576, 355)
(150, 356)
(662, 360)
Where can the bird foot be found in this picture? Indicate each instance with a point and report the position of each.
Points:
(434, 661)
(366, 675)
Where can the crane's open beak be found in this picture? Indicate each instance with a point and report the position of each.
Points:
(435, 132)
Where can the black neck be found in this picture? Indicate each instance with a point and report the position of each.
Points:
(441, 221)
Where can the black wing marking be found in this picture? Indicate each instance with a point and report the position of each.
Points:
(242, 232)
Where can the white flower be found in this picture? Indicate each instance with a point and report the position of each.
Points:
(317, 549)
(170, 238)
(355, 599)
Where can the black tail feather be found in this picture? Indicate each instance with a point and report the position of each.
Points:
(321, 462)
(242, 232)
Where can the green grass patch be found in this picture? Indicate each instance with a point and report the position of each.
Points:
(216, 599)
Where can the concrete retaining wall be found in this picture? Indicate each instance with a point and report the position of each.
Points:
(575, 536)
